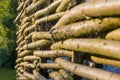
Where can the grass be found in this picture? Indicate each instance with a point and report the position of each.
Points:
(7, 74)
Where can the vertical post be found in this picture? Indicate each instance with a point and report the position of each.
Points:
(77, 58)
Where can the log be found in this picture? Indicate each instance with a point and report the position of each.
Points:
(24, 53)
(34, 7)
(20, 39)
(93, 46)
(47, 10)
(29, 76)
(50, 18)
(113, 35)
(85, 28)
(99, 8)
(87, 72)
(63, 6)
(29, 29)
(27, 19)
(41, 35)
(49, 66)
(37, 44)
(19, 60)
(53, 53)
(65, 74)
(105, 61)
(29, 37)
(56, 75)
(38, 76)
(20, 7)
(23, 27)
(30, 58)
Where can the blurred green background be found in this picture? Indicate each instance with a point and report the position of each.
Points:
(7, 39)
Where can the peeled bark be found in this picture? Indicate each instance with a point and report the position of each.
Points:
(17, 19)
(29, 76)
(29, 29)
(38, 76)
(65, 74)
(29, 37)
(16, 66)
(27, 19)
(20, 7)
(47, 10)
(41, 35)
(23, 27)
(56, 76)
(105, 61)
(29, 58)
(21, 43)
(87, 72)
(85, 28)
(34, 7)
(114, 35)
(19, 39)
(24, 53)
(27, 3)
(37, 44)
(22, 64)
(29, 65)
(49, 66)
(19, 60)
(53, 53)
(93, 46)
(63, 6)
(50, 18)
(90, 9)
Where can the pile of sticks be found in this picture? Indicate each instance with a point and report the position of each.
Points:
(67, 39)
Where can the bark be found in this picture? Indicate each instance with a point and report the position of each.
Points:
(50, 18)
(63, 6)
(23, 16)
(41, 35)
(93, 46)
(106, 61)
(34, 7)
(53, 53)
(38, 44)
(29, 29)
(27, 3)
(65, 74)
(22, 64)
(29, 37)
(47, 10)
(16, 66)
(19, 60)
(90, 10)
(22, 43)
(38, 76)
(27, 19)
(49, 66)
(20, 7)
(85, 28)
(29, 58)
(24, 26)
(24, 53)
(87, 72)
(29, 66)
(17, 19)
(22, 78)
(29, 76)
(56, 75)
(20, 39)
(114, 35)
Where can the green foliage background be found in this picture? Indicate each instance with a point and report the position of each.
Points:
(7, 33)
